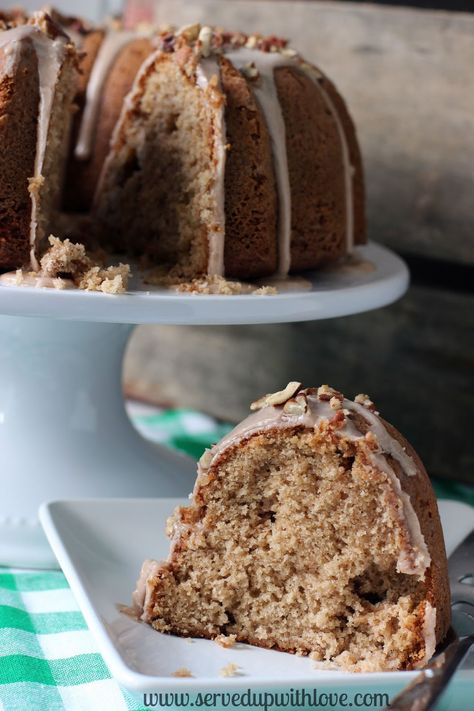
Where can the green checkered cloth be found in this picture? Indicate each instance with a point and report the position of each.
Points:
(48, 658)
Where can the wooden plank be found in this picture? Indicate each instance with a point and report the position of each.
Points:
(415, 358)
(407, 76)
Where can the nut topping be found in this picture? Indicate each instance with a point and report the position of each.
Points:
(296, 406)
(335, 403)
(326, 393)
(278, 398)
(289, 52)
(189, 32)
(363, 399)
(372, 441)
(206, 459)
(338, 420)
(204, 39)
(250, 71)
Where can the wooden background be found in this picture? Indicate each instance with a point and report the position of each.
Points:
(408, 77)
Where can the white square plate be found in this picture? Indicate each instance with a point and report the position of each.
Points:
(101, 544)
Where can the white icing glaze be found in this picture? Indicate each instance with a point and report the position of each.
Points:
(266, 94)
(388, 444)
(429, 632)
(50, 54)
(205, 71)
(36, 280)
(11, 56)
(412, 560)
(112, 44)
(140, 594)
(348, 169)
(74, 35)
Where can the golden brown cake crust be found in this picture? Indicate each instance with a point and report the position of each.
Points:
(19, 98)
(358, 183)
(316, 172)
(250, 192)
(424, 502)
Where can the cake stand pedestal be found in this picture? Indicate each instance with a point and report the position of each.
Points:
(64, 431)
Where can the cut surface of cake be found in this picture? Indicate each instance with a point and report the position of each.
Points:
(313, 529)
(232, 156)
(38, 75)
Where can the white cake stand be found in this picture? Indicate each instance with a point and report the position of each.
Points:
(64, 432)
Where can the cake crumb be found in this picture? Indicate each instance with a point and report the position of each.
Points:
(230, 669)
(182, 673)
(206, 285)
(109, 280)
(210, 285)
(66, 260)
(35, 184)
(265, 291)
(225, 640)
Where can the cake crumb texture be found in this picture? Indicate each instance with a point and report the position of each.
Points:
(226, 641)
(230, 669)
(182, 673)
(206, 285)
(67, 260)
(315, 533)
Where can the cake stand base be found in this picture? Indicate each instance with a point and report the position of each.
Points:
(64, 431)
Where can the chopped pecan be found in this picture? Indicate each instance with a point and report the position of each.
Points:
(278, 398)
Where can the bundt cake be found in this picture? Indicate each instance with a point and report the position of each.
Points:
(200, 151)
(38, 72)
(241, 156)
(313, 529)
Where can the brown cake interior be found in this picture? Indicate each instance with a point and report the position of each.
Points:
(160, 199)
(295, 546)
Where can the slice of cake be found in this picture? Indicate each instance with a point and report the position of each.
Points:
(38, 79)
(313, 529)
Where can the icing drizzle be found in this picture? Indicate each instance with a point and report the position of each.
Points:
(316, 77)
(266, 94)
(112, 44)
(206, 70)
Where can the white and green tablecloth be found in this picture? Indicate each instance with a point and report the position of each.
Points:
(48, 657)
